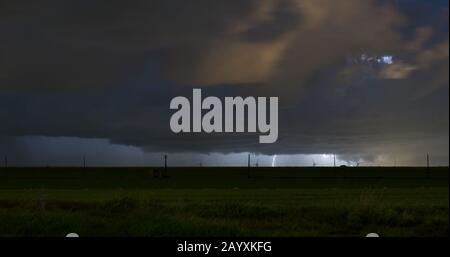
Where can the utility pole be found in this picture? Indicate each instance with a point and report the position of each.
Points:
(428, 161)
(6, 161)
(84, 161)
(334, 166)
(165, 164)
(248, 167)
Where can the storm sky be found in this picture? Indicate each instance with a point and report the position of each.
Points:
(365, 80)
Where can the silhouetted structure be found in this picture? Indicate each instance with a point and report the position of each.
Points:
(157, 173)
(6, 161)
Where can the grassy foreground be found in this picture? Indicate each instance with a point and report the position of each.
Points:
(224, 202)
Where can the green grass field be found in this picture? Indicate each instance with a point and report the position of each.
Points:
(224, 202)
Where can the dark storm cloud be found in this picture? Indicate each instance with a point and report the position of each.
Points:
(61, 44)
(108, 69)
(89, 43)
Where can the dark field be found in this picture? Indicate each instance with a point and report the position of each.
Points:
(224, 202)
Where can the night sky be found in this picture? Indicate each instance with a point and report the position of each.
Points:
(366, 80)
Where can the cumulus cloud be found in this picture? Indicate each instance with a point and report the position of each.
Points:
(320, 34)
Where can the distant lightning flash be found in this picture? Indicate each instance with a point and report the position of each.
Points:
(274, 158)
